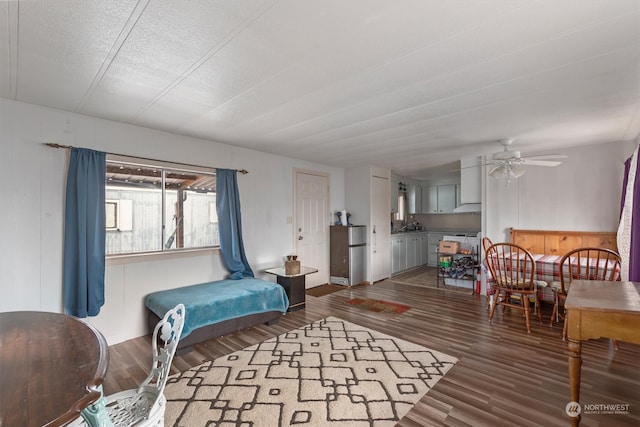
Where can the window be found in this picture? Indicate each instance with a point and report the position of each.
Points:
(112, 214)
(152, 208)
(402, 200)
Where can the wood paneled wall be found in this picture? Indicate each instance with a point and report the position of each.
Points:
(553, 242)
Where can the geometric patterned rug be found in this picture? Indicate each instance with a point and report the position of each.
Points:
(328, 373)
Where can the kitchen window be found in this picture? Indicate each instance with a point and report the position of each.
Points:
(155, 208)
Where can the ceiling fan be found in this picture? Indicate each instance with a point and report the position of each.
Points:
(510, 164)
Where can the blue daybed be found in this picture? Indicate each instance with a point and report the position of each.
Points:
(221, 307)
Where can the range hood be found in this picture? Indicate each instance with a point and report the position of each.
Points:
(469, 208)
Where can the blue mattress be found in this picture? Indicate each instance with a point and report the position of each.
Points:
(213, 302)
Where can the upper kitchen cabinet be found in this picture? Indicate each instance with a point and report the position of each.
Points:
(430, 199)
(395, 185)
(439, 198)
(414, 193)
(470, 180)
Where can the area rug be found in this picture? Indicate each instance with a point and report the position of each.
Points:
(379, 306)
(328, 373)
(322, 290)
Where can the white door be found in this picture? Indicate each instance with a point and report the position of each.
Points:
(311, 227)
(380, 232)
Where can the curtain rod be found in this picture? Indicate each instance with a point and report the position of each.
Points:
(68, 147)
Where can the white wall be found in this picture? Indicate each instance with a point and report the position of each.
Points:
(582, 194)
(31, 220)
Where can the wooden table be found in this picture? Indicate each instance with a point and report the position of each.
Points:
(51, 369)
(599, 309)
(293, 284)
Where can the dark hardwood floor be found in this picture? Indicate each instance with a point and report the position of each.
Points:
(504, 376)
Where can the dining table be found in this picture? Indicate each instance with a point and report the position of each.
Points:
(548, 271)
(598, 309)
(52, 366)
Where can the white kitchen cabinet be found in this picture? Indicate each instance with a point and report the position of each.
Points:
(394, 201)
(398, 254)
(471, 180)
(408, 250)
(413, 251)
(414, 193)
(430, 199)
(439, 198)
(424, 249)
(446, 198)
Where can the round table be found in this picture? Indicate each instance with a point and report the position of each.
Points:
(51, 368)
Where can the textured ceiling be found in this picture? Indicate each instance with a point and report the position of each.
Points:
(408, 84)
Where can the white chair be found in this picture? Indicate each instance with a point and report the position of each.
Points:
(145, 405)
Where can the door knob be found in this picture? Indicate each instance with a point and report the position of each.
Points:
(300, 237)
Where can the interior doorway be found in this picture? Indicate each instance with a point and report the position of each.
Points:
(311, 223)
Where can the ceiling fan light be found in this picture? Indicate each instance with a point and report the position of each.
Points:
(517, 170)
(500, 171)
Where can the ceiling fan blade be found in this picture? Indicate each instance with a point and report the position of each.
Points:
(528, 162)
(474, 166)
(545, 157)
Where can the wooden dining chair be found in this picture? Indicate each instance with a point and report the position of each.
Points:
(586, 263)
(513, 272)
(486, 243)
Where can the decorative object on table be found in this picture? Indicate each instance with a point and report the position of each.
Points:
(292, 265)
(343, 218)
(339, 218)
(330, 372)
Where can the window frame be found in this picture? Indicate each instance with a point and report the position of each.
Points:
(143, 256)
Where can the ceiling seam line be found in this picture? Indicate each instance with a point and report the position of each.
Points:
(133, 19)
(206, 57)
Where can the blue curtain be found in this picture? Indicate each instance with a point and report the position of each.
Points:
(230, 224)
(84, 233)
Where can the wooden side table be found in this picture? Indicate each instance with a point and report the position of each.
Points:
(598, 309)
(293, 284)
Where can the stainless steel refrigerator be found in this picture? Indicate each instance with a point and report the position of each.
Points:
(348, 254)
